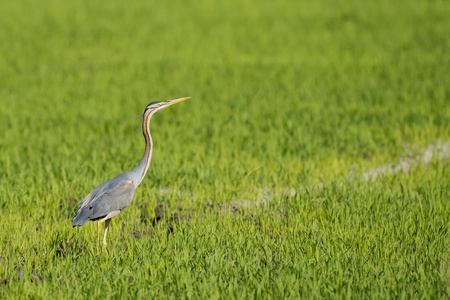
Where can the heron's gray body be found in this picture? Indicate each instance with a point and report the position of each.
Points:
(114, 194)
(111, 195)
(109, 198)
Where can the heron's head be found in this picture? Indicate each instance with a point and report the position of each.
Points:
(157, 105)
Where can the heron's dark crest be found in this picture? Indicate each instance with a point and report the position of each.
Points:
(153, 104)
(141, 118)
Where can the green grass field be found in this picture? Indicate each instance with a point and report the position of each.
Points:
(257, 187)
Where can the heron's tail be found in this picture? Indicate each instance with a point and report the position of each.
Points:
(81, 217)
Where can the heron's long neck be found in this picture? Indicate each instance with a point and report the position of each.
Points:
(139, 172)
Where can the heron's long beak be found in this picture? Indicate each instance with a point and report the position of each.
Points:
(170, 102)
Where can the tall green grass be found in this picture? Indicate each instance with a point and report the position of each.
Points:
(256, 187)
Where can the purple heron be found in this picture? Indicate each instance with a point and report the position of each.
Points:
(109, 198)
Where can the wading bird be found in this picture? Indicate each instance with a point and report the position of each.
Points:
(109, 198)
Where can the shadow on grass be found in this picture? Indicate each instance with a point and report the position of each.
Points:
(168, 219)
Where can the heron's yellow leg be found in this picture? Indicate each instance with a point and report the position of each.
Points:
(98, 232)
(106, 230)
(108, 220)
(98, 236)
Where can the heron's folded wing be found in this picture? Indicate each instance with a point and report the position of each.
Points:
(98, 191)
(116, 195)
(87, 198)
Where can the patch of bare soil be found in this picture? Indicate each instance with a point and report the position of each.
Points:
(439, 151)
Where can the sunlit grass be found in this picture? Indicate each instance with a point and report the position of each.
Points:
(256, 186)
